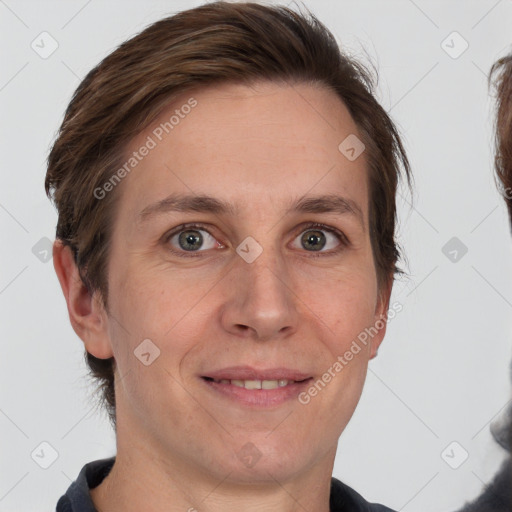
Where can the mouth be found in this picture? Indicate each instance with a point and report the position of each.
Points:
(261, 389)
(256, 384)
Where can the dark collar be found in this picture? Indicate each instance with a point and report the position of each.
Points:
(77, 497)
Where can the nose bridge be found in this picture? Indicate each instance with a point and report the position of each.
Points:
(266, 276)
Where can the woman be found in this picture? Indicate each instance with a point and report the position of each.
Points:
(225, 183)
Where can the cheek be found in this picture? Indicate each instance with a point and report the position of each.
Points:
(147, 307)
(166, 307)
(345, 301)
(151, 302)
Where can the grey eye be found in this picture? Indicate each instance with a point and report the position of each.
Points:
(315, 240)
(192, 240)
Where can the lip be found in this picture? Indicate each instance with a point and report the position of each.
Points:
(257, 398)
(250, 373)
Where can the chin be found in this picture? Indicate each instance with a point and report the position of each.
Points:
(266, 464)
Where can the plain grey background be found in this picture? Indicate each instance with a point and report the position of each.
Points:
(442, 374)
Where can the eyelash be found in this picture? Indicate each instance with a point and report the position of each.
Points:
(344, 242)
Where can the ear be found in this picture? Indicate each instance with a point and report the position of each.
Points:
(381, 316)
(86, 312)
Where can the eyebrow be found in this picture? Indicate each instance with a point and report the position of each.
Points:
(327, 203)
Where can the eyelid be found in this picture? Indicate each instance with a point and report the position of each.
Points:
(184, 227)
(323, 227)
(343, 239)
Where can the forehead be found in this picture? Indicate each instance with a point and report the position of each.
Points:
(245, 144)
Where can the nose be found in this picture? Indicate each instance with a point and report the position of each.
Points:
(260, 303)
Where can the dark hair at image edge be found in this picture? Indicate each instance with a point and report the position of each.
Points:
(497, 494)
(500, 79)
(216, 43)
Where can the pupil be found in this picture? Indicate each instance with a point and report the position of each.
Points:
(195, 240)
(314, 240)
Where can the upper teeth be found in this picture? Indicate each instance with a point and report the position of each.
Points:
(256, 384)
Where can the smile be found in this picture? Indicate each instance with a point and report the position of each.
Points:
(258, 394)
(255, 384)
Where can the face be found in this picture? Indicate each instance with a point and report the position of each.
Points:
(263, 283)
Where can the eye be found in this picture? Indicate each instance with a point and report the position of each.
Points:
(317, 237)
(191, 238)
(188, 239)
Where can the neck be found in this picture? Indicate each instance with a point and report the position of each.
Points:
(144, 477)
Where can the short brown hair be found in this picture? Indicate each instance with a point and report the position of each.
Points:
(501, 77)
(215, 43)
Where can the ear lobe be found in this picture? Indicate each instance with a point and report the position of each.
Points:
(381, 317)
(86, 314)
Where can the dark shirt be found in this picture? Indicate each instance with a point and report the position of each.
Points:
(78, 499)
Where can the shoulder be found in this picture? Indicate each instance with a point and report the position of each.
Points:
(345, 498)
(77, 497)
